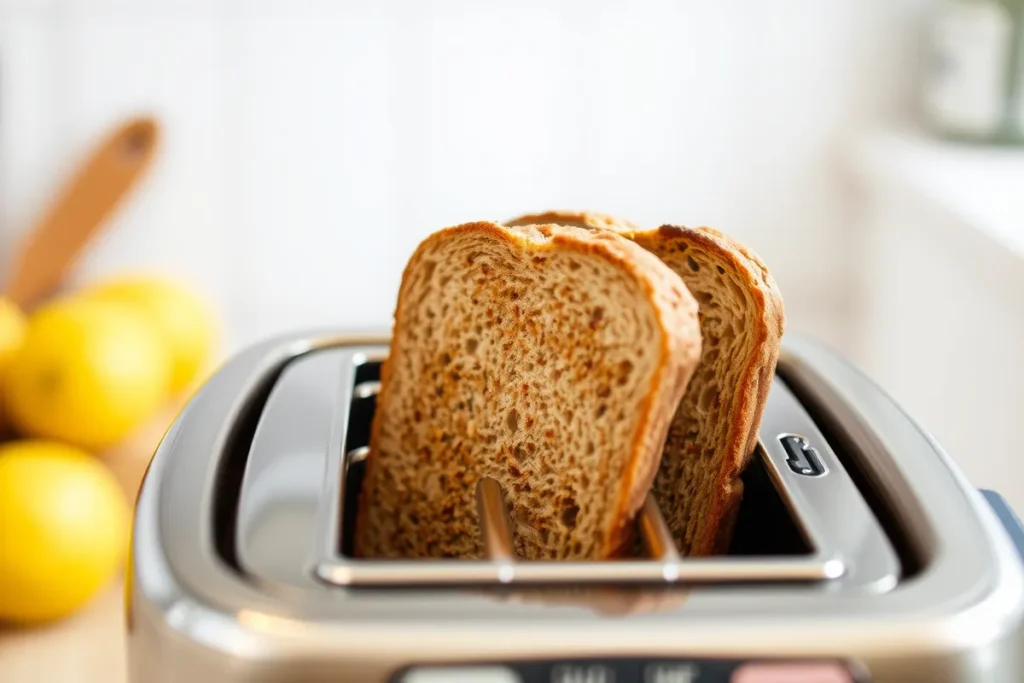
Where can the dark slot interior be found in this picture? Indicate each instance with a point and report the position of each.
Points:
(358, 434)
(367, 372)
(228, 479)
(764, 527)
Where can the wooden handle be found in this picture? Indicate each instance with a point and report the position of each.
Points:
(52, 247)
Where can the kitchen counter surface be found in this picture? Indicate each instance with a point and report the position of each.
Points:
(88, 646)
(978, 187)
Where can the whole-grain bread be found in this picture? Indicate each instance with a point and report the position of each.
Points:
(714, 432)
(550, 358)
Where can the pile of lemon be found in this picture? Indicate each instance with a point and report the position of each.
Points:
(79, 375)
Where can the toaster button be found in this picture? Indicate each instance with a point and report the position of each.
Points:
(583, 673)
(461, 674)
(636, 671)
(793, 673)
(677, 672)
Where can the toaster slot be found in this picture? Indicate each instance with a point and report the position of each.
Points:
(280, 456)
(765, 525)
(851, 440)
(284, 470)
(785, 531)
(298, 470)
(766, 549)
(824, 497)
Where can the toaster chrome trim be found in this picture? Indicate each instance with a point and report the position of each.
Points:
(193, 617)
(302, 431)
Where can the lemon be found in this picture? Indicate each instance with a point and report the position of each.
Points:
(88, 373)
(12, 331)
(181, 316)
(63, 521)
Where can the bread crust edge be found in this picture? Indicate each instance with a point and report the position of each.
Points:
(756, 378)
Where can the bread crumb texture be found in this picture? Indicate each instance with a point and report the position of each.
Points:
(714, 432)
(715, 428)
(550, 358)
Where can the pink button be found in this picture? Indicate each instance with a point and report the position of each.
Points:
(792, 673)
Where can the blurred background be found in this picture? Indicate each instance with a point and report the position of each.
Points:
(308, 145)
(866, 149)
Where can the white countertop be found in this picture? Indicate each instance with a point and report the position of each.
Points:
(940, 256)
(982, 186)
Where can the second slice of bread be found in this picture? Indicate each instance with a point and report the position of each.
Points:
(549, 358)
(715, 430)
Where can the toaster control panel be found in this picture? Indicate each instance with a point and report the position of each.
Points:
(635, 671)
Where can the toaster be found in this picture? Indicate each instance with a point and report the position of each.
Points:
(860, 553)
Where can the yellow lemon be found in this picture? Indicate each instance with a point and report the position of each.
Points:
(63, 521)
(181, 316)
(12, 331)
(88, 373)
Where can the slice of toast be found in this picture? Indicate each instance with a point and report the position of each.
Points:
(549, 358)
(715, 430)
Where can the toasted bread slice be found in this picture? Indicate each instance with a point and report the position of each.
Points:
(715, 429)
(549, 358)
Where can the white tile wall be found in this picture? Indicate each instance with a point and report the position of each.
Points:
(311, 144)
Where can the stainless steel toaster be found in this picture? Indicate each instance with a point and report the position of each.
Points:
(860, 553)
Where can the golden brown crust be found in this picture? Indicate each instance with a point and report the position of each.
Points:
(579, 219)
(731, 500)
(676, 312)
(755, 380)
